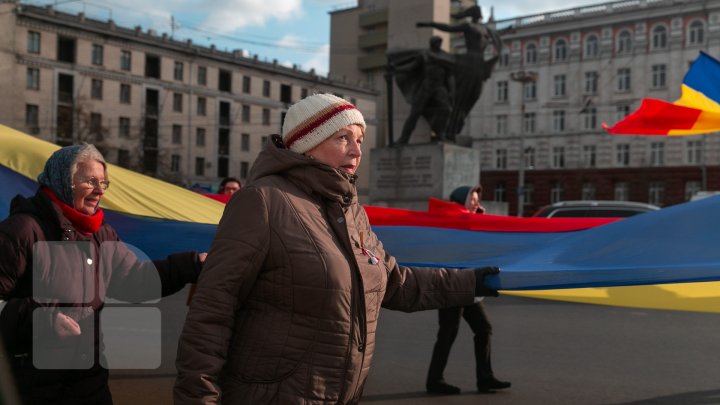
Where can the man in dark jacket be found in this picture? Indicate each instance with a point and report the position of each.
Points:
(474, 314)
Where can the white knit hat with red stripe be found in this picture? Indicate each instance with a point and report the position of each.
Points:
(314, 119)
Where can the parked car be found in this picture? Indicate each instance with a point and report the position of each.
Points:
(595, 209)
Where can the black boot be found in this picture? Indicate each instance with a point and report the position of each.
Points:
(492, 384)
(441, 388)
(486, 381)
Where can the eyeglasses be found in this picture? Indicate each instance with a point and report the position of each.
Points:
(94, 183)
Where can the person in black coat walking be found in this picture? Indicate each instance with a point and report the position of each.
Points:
(474, 315)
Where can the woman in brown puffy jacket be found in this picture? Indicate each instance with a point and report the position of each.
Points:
(58, 262)
(286, 308)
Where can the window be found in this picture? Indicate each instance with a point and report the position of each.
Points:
(303, 93)
(694, 152)
(529, 159)
(529, 123)
(621, 112)
(199, 166)
(591, 82)
(177, 134)
(124, 127)
(152, 66)
(501, 95)
(588, 191)
(528, 191)
(658, 76)
(245, 115)
(559, 120)
(622, 191)
(177, 102)
(501, 124)
(266, 88)
(202, 76)
(556, 192)
(623, 79)
(591, 46)
(558, 157)
(96, 124)
(178, 71)
(504, 58)
(696, 33)
(123, 158)
(589, 155)
(175, 163)
(33, 79)
(624, 42)
(530, 54)
(246, 85)
(286, 93)
(201, 106)
(97, 55)
(66, 49)
(225, 80)
(33, 42)
(32, 118)
(622, 154)
(244, 169)
(125, 60)
(125, 93)
(501, 159)
(659, 37)
(559, 85)
(499, 192)
(657, 154)
(263, 141)
(590, 118)
(530, 90)
(691, 188)
(266, 116)
(656, 192)
(245, 142)
(96, 89)
(560, 50)
(200, 137)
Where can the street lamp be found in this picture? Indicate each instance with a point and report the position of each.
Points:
(522, 77)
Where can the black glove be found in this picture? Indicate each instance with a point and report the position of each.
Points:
(480, 289)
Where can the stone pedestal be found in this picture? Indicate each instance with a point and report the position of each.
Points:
(406, 176)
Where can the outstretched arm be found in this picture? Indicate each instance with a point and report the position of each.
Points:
(442, 27)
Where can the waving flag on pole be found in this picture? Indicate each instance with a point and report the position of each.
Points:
(697, 111)
(665, 259)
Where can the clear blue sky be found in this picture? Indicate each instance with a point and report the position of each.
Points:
(291, 31)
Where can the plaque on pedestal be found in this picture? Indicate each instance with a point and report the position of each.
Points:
(406, 176)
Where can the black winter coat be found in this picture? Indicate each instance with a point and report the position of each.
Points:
(46, 266)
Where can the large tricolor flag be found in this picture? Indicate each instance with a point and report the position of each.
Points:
(665, 259)
(697, 111)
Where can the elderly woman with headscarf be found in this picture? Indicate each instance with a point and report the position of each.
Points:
(59, 262)
(287, 306)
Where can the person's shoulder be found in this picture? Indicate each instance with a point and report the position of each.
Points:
(22, 227)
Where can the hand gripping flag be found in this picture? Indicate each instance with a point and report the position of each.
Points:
(697, 111)
(662, 259)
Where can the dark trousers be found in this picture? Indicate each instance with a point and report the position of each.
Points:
(449, 319)
(62, 387)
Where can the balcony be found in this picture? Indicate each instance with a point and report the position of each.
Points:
(373, 18)
(372, 61)
(373, 39)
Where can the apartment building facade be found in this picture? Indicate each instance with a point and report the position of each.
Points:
(590, 65)
(562, 74)
(171, 109)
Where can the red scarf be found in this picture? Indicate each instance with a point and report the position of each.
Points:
(83, 223)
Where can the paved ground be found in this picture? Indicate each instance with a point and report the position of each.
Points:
(553, 352)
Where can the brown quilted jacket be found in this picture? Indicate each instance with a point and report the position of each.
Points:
(287, 305)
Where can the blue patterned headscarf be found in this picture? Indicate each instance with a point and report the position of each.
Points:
(57, 174)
